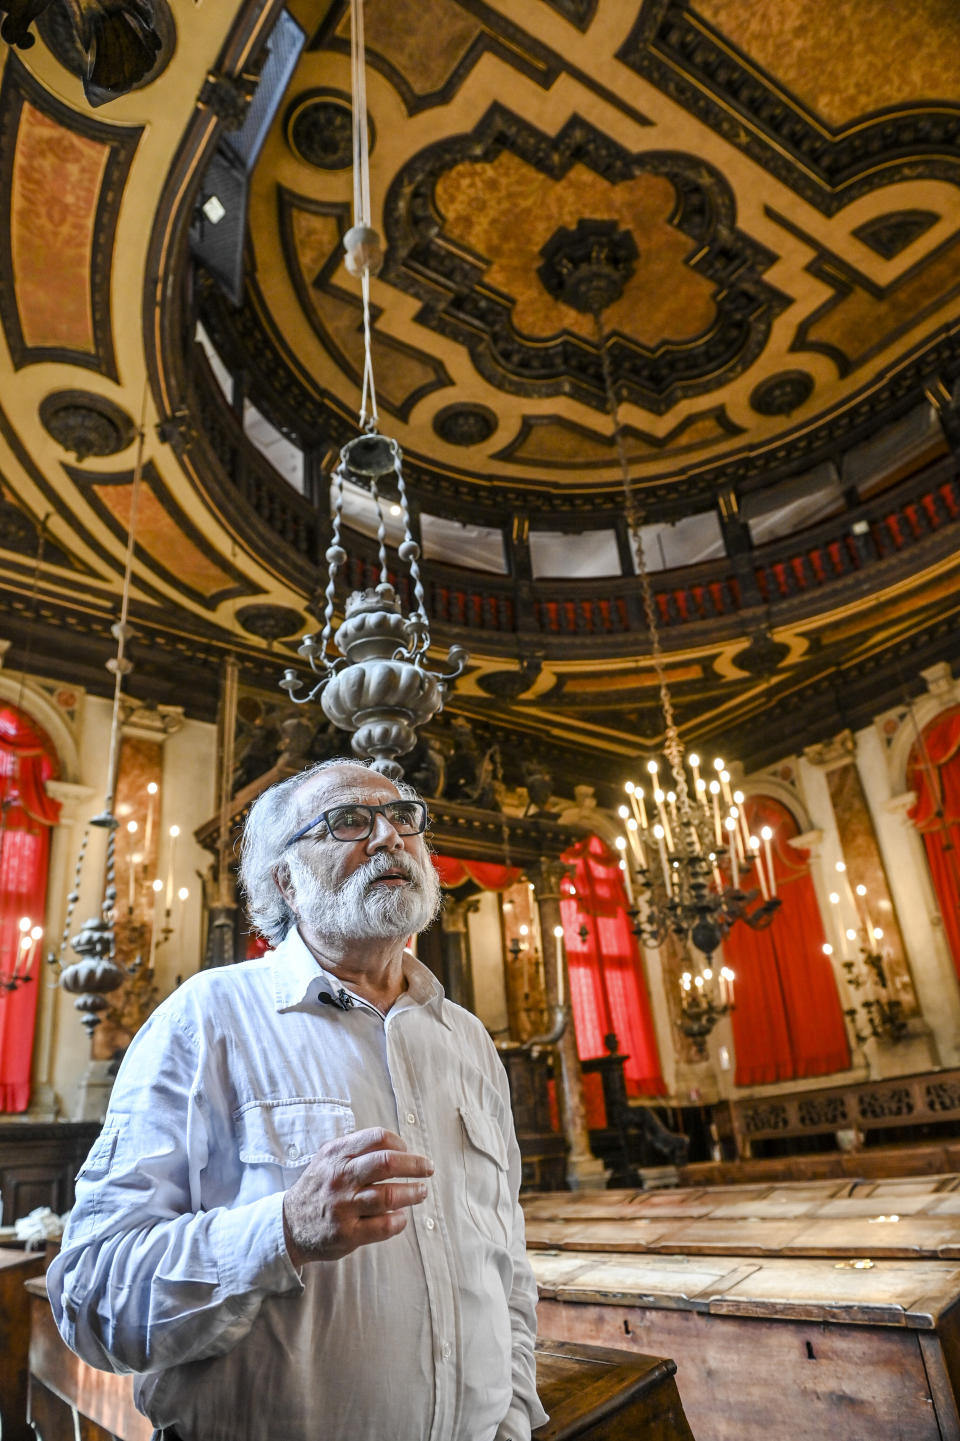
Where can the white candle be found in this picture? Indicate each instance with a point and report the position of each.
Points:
(767, 835)
(174, 832)
(36, 936)
(627, 883)
(725, 782)
(558, 936)
(715, 792)
(659, 797)
(632, 838)
(152, 789)
(658, 832)
(755, 851)
(734, 868)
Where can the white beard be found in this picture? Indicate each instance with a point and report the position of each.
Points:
(359, 910)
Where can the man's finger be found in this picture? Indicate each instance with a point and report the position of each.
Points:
(394, 1196)
(376, 1166)
(371, 1138)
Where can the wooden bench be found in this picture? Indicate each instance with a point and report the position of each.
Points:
(591, 1393)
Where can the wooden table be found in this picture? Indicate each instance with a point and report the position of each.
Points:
(794, 1313)
(909, 1217)
(591, 1393)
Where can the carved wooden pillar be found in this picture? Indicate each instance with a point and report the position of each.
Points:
(584, 1170)
(458, 973)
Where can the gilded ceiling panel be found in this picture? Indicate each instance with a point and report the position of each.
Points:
(61, 177)
(846, 58)
(174, 548)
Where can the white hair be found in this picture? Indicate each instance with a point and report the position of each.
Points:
(274, 817)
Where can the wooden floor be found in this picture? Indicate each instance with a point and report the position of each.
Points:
(794, 1312)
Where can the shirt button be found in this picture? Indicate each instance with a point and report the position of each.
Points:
(445, 1350)
(430, 1223)
(411, 1118)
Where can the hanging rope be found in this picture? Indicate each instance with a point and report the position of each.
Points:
(362, 243)
(120, 666)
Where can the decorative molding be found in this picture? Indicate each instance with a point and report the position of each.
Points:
(455, 302)
(141, 56)
(887, 235)
(86, 423)
(270, 622)
(319, 129)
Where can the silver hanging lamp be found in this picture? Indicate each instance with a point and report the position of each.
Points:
(379, 686)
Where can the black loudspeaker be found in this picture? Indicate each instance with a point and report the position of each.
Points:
(219, 224)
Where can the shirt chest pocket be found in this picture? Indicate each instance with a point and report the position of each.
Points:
(289, 1133)
(487, 1193)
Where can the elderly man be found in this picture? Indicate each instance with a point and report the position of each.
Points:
(300, 1221)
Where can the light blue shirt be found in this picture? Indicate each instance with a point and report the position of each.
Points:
(174, 1265)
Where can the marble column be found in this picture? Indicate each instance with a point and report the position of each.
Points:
(458, 974)
(584, 1170)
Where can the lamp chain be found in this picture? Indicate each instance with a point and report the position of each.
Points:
(672, 748)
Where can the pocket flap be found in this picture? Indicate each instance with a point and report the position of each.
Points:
(484, 1135)
(289, 1133)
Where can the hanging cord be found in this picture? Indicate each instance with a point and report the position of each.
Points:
(672, 748)
(369, 416)
(120, 665)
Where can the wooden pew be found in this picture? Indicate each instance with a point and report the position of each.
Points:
(591, 1393)
(16, 1267)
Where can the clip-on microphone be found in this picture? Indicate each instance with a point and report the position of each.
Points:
(341, 1000)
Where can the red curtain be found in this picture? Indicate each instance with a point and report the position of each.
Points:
(787, 1019)
(27, 762)
(486, 874)
(933, 771)
(607, 986)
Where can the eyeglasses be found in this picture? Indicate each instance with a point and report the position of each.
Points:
(356, 822)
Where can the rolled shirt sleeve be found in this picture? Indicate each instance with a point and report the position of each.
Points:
(146, 1278)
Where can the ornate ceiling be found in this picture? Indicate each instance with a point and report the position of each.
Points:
(775, 189)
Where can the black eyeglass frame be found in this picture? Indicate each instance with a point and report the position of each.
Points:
(372, 812)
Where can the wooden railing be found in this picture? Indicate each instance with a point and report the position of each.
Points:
(851, 550)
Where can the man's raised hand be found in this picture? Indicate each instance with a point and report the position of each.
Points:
(355, 1191)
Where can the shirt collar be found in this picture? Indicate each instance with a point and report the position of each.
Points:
(299, 977)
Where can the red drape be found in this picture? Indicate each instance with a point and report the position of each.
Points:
(933, 771)
(607, 986)
(787, 1019)
(27, 762)
(486, 874)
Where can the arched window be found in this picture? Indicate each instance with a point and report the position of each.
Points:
(933, 772)
(787, 1020)
(27, 761)
(608, 993)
